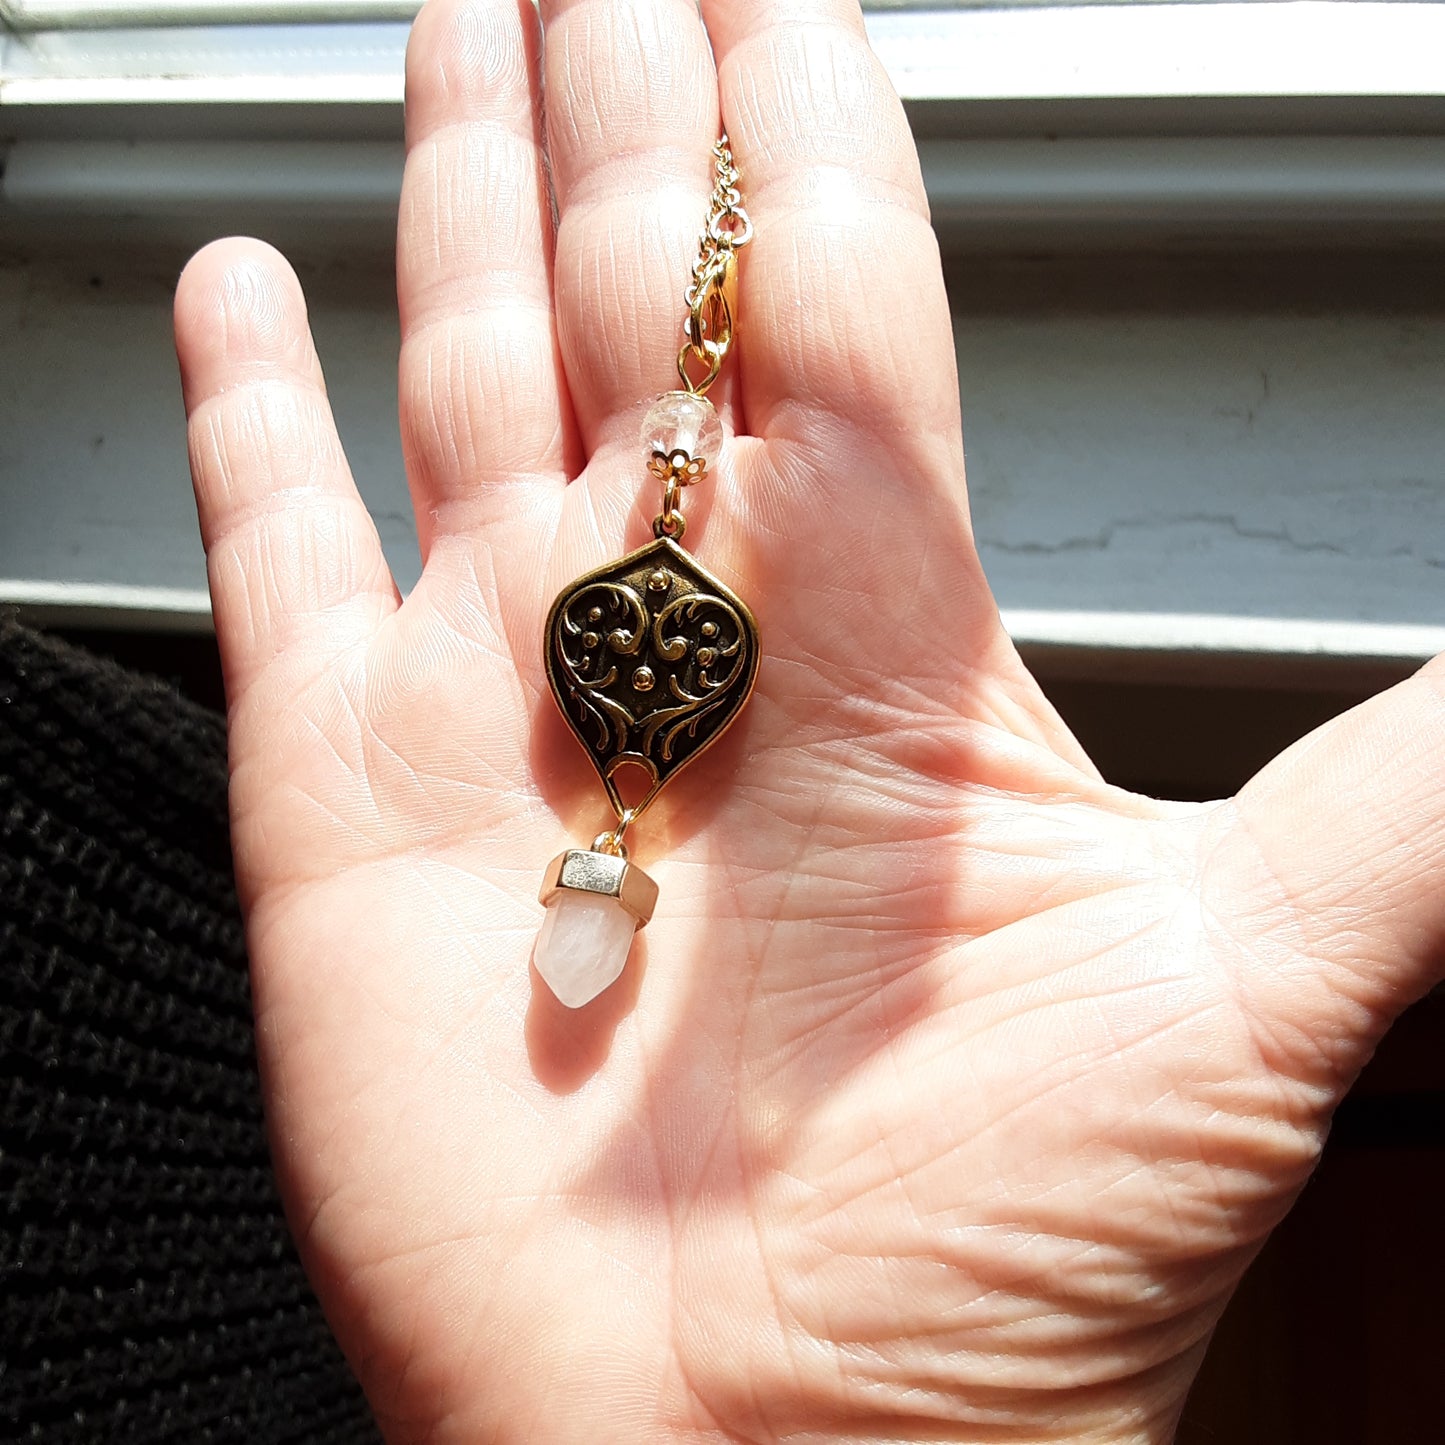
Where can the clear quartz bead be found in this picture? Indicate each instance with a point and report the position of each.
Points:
(680, 421)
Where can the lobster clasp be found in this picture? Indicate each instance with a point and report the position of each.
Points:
(710, 316)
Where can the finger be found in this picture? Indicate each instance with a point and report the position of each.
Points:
(631, 121)
(295, 564)
(843, 296)
(1337, 861)
(484, 412)
(846, 341)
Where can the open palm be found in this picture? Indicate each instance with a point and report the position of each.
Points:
(951, 1089)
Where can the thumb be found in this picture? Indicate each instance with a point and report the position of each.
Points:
(1333, 867)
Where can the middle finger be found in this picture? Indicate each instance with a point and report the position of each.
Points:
(632, 114)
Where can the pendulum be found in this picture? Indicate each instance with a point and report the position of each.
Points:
(651, 657)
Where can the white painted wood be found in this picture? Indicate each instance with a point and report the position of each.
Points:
(1213, 462)
(27, 15)
(1148, 191)
(108, 14)
(1269, 652)
(326, 180)
(93, 482)
(1257, 652)
(1258, 48)
(1186, 464)
(1136, 191)
(109, 605)
(1254, 469)
(1308, 47)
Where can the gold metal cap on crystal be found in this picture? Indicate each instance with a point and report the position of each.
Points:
(582, 870)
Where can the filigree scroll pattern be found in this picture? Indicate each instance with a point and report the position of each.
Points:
(650, 659)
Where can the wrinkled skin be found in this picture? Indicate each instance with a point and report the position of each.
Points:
(951, 1089)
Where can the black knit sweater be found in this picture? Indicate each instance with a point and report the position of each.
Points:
(149, 1291)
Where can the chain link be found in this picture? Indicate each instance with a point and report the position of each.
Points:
(728, 226)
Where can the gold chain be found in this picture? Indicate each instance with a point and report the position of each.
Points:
(712, 297)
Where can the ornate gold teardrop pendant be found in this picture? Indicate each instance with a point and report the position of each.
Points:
(650, 659)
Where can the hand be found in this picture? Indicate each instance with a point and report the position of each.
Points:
(951, 1090)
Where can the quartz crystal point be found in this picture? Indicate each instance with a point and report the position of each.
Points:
(583, 945)
(595, 902)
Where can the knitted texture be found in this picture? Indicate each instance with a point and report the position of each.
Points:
(149, 1291)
